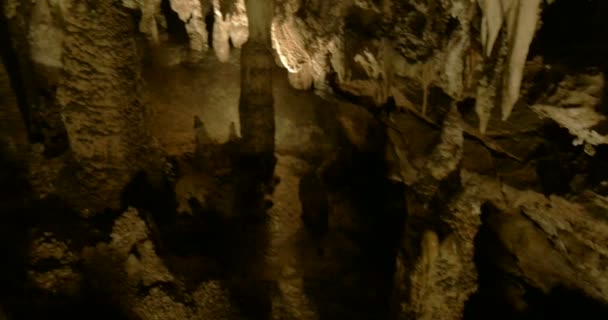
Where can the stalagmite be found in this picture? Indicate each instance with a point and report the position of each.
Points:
(232, 135)
(201, 137)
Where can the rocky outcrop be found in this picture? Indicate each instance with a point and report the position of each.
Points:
(129, 269)
(573, 106)
(567, 233)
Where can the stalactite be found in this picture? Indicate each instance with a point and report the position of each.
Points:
(150, 9)
(488, 87)
(221, 33)
(231, 25)
(521, 25)
(494, 13)
(521, 18)
(289, 44)
(239, 24)
(191, 13)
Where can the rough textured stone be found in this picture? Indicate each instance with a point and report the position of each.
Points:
(101, 75)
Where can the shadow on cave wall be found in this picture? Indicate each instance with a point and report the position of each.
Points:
(503, 296)
(579, 44)
(245, 238)
(353, 218)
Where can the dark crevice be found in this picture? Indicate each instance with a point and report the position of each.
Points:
(16, 74)
(358, 282)
(562, 303)
(209, 24)
(580, 43)
(502, 295)
(491, 299)
(14, 231)
(175, 27)
(555, 160)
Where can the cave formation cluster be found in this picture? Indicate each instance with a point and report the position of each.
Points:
(452, 161)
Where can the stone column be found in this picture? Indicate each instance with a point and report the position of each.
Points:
(256, 109)
(99, 95)
(249, 233)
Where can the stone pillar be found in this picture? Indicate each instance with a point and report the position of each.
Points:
(99, 96)
(259, 15)
(250, 231)
(256, 109)
(256, 104)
